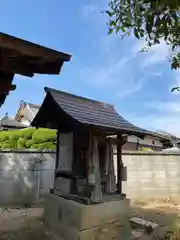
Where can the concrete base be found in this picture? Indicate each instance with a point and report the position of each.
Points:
(71, 220)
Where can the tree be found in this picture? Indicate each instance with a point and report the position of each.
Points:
(152, 20)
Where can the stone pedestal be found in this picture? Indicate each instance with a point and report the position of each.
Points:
(71, 220)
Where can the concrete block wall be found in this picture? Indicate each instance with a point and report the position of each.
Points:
(25, 176)
(152, 175)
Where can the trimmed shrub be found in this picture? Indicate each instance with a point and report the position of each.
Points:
(29, 143)
(9, 144)
(21, 143)
(44, 135)
(3, 136)
(27, 132)
(28, 138)
(13, 135)
(45, 145)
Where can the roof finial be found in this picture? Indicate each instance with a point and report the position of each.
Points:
(6, 114)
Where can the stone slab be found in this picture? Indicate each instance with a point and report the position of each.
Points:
(73, 221)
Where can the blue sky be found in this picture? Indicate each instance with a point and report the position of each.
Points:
(103, 67)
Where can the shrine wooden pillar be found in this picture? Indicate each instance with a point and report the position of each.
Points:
(57, 154)
(120, 143)
(94, 180)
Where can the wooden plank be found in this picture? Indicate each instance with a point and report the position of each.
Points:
(73, 197)
(43, 67)
(16, 65)
(6, 79)
(31, 49)
(94, 179)
(120, 142)
(6, 88)
(57, 154)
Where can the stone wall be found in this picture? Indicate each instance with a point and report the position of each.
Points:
(151, 175)
(25, 176)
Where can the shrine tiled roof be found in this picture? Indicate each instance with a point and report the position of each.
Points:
(89, 112)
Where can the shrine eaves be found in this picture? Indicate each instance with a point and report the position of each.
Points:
(18, 56)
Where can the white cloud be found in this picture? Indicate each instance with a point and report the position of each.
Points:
(162, 116)
(167, 122)
(132, 87)
(116, 76)
(171, 107)
(89, 10)
(158, 74)
(138, 45)
(156, 54)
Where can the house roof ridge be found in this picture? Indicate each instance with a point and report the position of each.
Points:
(31, 104)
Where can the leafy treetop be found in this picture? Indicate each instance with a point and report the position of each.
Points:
(151, 20)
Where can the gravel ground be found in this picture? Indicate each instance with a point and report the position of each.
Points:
(12, 219)
(164, 213)
(20, 224)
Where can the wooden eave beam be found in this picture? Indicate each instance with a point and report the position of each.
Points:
(48, 67)
(6, 82)
(15, 65)
(6, 88)
(28, 68)
(120, 143)
(31, 49)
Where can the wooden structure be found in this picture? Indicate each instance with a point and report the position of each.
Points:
(25, 58)
(84, 164)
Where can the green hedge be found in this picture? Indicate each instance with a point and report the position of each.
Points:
(41, 138)
(44, 135)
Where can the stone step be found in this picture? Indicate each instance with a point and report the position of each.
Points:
(142, 223)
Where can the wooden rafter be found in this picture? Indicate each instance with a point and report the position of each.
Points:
(18, 56)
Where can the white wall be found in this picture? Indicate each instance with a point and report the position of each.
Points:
(146, 141)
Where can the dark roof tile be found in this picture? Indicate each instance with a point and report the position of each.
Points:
(91, 112)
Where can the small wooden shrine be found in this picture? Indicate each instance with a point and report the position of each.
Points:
(25, 58)
(85, 146)
(87, 200)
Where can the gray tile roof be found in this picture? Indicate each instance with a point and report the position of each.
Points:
(8, 122)
(91, 112)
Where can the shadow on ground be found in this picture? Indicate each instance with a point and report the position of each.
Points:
(163, 214)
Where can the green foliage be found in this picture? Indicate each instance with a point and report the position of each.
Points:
(13, 135)
(9, 144)
(175, 89)
(43, 135)
(29, 143)
(28, 138)
(21, 143)
(27, 132)
(151, 20)
(3, 136)
(45, 145)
